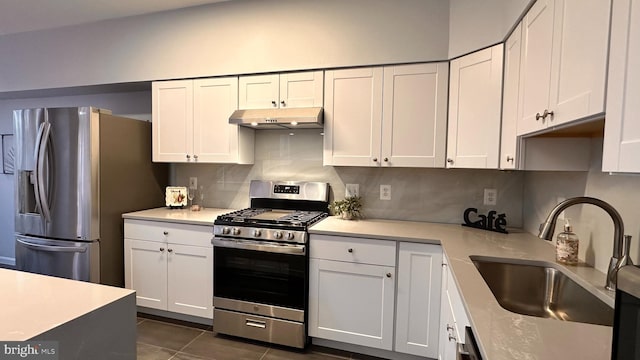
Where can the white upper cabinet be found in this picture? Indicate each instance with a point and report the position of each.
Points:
(414, 116)
(172, 103)
(386, 116)
(509, 137)
(191, 122)
(621, 150)
(298, 89)
(475, 93)
(563, 64)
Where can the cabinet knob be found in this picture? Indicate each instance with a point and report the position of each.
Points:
(449, 327)
(350, 250)
(452, 338)
(161, 249)
(170, 250)
(188, 156)
(375, 159)
(386, 159)
(510, 158)
(283, 104)
(450, 160)
(195, 157)
(165, 232)
(388, 275)
(547, 113)
(539, 116)
(274, 103)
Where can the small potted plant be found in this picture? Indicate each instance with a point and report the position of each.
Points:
(348, 209)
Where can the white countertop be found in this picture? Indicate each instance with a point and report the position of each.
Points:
(185, 216)
(503, 335)
(32, 304)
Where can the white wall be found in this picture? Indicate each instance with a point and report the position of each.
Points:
(477, 24)
(121, 103)
(236, 37)
(593, 225)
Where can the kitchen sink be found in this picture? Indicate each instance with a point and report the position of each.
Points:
(540, 289)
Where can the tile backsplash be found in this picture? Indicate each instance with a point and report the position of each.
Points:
(436, 195)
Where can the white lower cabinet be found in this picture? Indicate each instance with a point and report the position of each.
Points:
(453, 318)
(353, 298)
(170, 266)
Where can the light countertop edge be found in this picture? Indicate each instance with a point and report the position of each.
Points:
(503, 335)
(182, 216)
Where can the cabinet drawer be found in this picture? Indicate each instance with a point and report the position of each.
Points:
(168, 232)
(358, 250)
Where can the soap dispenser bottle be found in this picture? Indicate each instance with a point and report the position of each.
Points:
(567, 246)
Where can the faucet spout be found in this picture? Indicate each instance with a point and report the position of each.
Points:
(620, 256)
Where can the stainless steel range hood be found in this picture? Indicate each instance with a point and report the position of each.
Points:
(286, 118)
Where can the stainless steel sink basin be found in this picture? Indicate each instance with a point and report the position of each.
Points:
(539, 289)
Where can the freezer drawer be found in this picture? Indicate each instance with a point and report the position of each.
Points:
(66, 259)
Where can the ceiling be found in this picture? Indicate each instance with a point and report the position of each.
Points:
(29, 15)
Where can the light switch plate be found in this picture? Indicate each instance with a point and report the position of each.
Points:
(193, 183)
(351, 190)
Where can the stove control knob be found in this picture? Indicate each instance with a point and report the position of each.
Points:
(277, 234)
(257, 233)
(235, 231)
(226, 231)
(290, 236)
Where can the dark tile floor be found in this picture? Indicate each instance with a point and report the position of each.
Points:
(159, 339)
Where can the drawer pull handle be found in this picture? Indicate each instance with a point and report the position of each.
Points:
(256, 323)
(449, 327)
(350, 250)
(388, 275)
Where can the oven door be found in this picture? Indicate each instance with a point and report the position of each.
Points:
(626, 321)
(260, 277)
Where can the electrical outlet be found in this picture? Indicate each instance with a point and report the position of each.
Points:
(385, 192)
(351, 190)
(193, 183)
(490, 196)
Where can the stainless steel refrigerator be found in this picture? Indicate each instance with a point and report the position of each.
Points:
(76, 171)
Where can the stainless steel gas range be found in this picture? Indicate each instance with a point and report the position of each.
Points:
(261, 262)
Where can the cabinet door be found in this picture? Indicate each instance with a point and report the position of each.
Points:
(146, 272)
(535, 68)
(351, 303)
(418, 299)
(301, 89)
(190, 280)
(414, 123)
(353, 117)
(621, 149)
(172, 114)
(258, 92)
(475, 95)
(579, 59)
(215, 140)
(509, 133)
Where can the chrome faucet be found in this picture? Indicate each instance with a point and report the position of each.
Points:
(621, 242)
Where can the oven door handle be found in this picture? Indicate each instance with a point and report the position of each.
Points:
(260, 246)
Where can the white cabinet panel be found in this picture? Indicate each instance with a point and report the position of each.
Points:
(353, 117)
(415, 115)
(621, 149)
(172, 269)
(145, 272)
(190, 279)
(352, 303)
(475, 96)
(293, 90)
(564, 59)
(172, 103)
(418, 299)
(509, 151)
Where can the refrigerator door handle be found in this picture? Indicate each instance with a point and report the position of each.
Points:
(36, 176)
(41, 157)
(52, 248)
